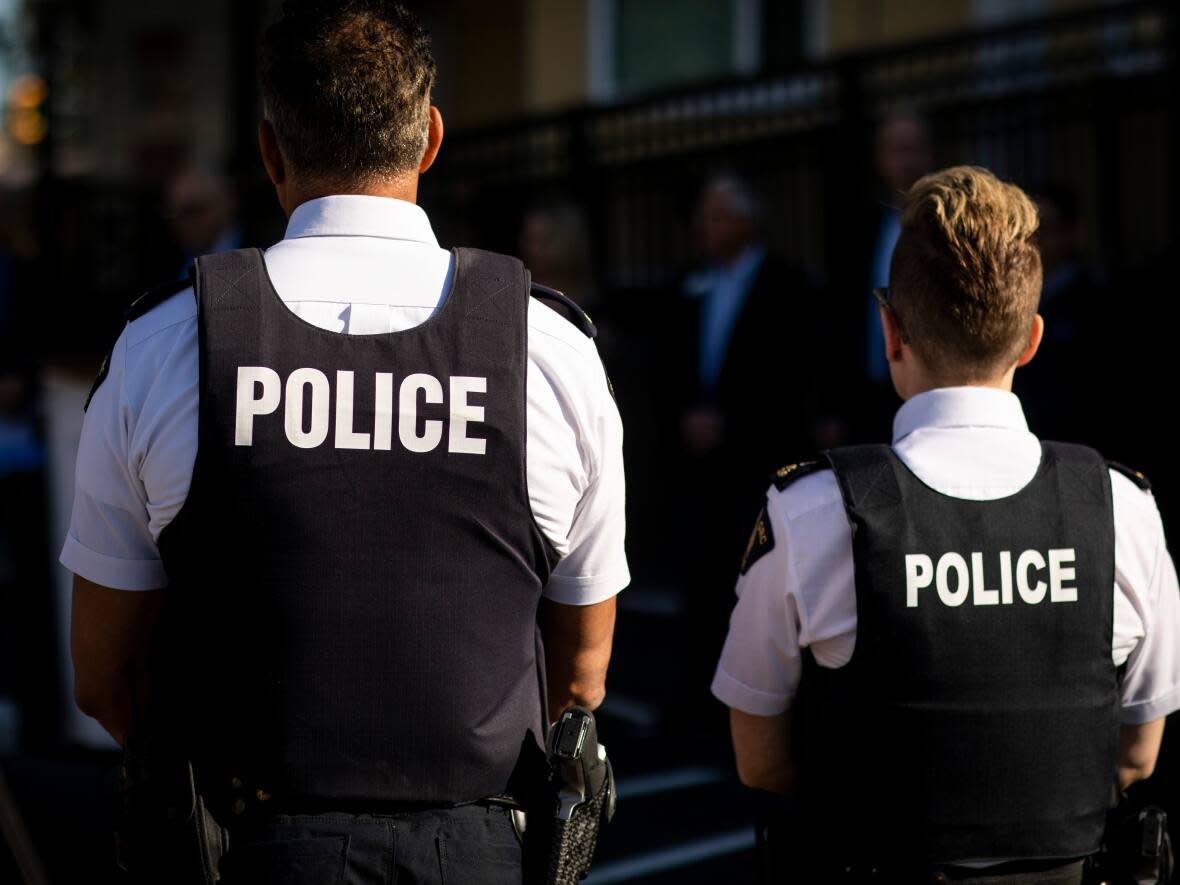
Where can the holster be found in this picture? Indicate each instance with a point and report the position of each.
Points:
(164, 832)
(1136, 849)
(562, 830)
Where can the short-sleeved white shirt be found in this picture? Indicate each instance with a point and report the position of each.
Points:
(355, 265)
(971, 443)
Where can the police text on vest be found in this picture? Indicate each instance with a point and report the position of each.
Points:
(956, 580)
(261, 391)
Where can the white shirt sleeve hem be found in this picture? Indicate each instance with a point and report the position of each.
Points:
(1149, 711)
(740, 696)
(587, 590)
(110, 571)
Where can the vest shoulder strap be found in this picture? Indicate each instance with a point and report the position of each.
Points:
(866, 475)
(1130, 473)
(1085, 471)
(784, 476)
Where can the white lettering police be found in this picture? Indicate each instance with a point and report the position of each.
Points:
(260, 392)
(956, 580)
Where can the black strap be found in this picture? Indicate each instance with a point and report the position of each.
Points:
(575, 314)
(784, 476)
(158, 295)
(1130, 473)
(133, 311)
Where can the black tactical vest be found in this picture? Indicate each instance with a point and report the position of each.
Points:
(978, 716)
(357, 565)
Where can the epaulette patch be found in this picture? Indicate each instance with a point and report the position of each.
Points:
(1134, 475)
(574, 314)
(784, 476)
(154, 296)
(761, 540)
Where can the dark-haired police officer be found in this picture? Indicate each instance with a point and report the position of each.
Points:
(354, 485)
(951, 649)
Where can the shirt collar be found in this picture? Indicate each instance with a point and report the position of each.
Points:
(948, 407)
(357, 215)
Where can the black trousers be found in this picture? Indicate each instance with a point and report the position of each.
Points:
(470, 845)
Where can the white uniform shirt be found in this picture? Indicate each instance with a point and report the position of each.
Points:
(971, 443)
(355, 265)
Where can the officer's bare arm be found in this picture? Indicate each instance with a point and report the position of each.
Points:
(762, 747)
(1139, 746)
(577, 652)
(110, 633)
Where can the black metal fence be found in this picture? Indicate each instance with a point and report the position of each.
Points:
(1087, 101)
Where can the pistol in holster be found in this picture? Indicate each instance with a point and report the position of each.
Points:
(1136, 848)
(580, 799)
(164, 831)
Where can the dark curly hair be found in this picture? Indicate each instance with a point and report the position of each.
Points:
(347, 88)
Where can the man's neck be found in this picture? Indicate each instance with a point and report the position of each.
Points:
(402, 187)
(917, 387)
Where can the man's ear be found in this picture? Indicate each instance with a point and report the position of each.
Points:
(893, 339)
(1035, 336)
(434, 137)
(272, 157)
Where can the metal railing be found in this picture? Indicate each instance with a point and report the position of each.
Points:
(1086, 100)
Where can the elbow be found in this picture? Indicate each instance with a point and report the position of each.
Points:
(780, 779)
(1131, 773)
(589, 694)
(89, 699)
(94, 698)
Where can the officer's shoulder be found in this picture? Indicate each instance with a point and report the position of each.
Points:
(550, 325)
(159, 308)
(566, 307)
(802, 487)
(1132, 475)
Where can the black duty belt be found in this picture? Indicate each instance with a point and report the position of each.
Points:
(1020, 872)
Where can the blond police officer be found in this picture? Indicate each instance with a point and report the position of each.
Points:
(952, 649)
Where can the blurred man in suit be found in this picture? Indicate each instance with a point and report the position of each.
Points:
(748, 332)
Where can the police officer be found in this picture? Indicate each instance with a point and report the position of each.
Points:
(333, 500)
(951, 649)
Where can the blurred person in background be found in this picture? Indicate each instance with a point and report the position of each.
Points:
(202, 212)
(903, 151)
(345, 610)
(745, 343)
(555, 247)
(1064, 390)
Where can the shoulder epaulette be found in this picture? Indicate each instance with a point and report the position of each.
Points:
(1134, 475)
(134, 311)
(155, 295)
(784, 476)
(573, 313)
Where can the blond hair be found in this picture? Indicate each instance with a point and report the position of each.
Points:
(965, 278)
